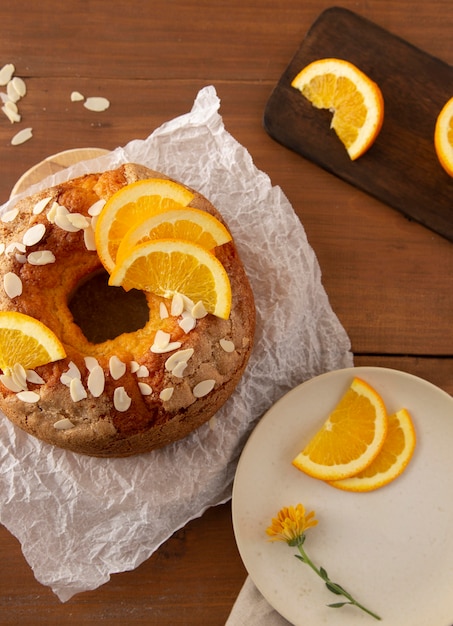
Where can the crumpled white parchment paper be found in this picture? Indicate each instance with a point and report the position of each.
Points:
(80, 519)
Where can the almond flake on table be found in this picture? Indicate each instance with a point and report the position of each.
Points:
(6, 73)
(96, 103)
(11, 111)
(22, 136)
(16, 89)
(76, 96)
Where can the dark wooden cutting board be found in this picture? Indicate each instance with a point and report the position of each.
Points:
(401, 168)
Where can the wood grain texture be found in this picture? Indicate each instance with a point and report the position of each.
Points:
(389, 279)
(401, 168)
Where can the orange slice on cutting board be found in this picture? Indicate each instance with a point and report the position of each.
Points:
(443, 137)
(355, 101)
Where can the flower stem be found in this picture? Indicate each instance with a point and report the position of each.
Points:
(331, 586)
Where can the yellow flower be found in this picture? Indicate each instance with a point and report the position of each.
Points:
(290, 524)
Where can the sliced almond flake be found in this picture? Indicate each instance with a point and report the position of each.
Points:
(96, 381)
(199, 310)
(12, 92)
(18, 85)
(187, 323)
(174, 345)
(145, 389)
(203, 388)
(91, 362)
(12, 285)
(41, 257)
(94, 221)
(182, 356)
(161, 339)
(78, 220)
(117, 367)
(4, 98)
(10, 216)
(10, 383)
(11, 106)
(2, 247)
(121, 400)
(162, 343)
(227, 345)
(77, 390)
(96, 103)
(14, 246)
(89, 238)
(142, 371)
(41, 205)
(52, 213)
(166, 394)
(6, 73)
(33, 235)
(28, 396)
(22, 136)
(63, 221)
(19, 375)
(34, 378)
(20, 258)
(63, 424)
(71, 373)
(13, 115)
(76, 96)
(163, 311)
(179, 369)
(212, 422)
(177, 305)
(96, 208)
(134, 366)
(188, 303)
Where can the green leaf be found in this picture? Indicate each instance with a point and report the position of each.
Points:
(323, 573)
(300, 557)
(338, 605)
(334, 588)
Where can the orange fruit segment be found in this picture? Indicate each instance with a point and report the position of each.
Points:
(391, 461)
(443, 137)
(351, 437)
(354, 99)
(166, 267)
(130, 206)
(186, 223)
(26, 341)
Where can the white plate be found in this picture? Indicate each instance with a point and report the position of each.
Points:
(391, 548)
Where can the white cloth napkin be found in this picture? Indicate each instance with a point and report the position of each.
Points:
(80, 519)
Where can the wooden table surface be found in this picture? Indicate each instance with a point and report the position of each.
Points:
(389, 280)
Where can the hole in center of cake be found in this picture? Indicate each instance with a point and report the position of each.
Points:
(103, 312)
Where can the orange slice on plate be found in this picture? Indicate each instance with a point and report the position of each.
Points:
(166, 267)
(443, 137)
(351, 437)
(26, 341)
(130, 206)
(354, 99)
(391, 461)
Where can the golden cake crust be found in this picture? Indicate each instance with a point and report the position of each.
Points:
(97, 427)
